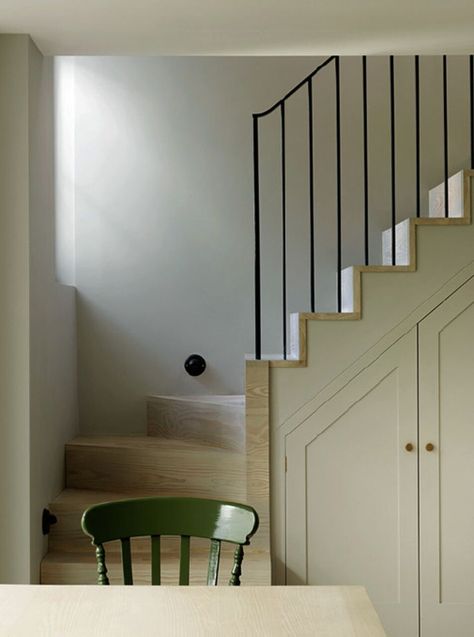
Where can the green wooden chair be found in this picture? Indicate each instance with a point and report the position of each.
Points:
(160, 516)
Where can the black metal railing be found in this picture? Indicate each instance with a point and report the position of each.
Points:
(310, 85)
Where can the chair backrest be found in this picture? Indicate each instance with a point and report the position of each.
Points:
(161, 516)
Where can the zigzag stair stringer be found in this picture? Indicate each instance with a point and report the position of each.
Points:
(406, 252)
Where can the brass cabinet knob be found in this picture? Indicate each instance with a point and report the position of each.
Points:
(429, 446)
(409, 446)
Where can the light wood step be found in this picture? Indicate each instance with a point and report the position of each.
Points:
(216, 421)
(67, 536)
(152, 466)
(80, 568)
(456, 194)
(404, 250)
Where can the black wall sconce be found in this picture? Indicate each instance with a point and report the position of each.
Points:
(195, 365)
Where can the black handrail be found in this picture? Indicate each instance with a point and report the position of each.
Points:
(339, 171)
(295, 88)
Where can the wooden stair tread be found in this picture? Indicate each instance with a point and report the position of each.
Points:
(229, 399)
(74, 499)
(146, 443)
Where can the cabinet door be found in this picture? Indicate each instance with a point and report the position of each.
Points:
(446, 354)
(352, 489)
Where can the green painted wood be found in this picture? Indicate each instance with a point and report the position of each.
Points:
(102, 578)
(155, 560)
(157, 516)
(214, 559)
(126, 561)
(184, 560)
(237, 566)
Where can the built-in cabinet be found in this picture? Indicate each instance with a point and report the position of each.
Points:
(380, 480)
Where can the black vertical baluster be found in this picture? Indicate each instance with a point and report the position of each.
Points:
(417, 132)
(393, 156)
(366, 161)
(471, 90)
(445, 127)
(311, 194)
(338, 185)
(256, 186)
(283, 219)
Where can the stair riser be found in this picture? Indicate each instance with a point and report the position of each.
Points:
(256, 571)
(219, 475)
(209, 424)
(67, 536)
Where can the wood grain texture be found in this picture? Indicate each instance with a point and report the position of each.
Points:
(129, 464)
(81, 568)
(215, 421)
(202, 612)
(66, 535)
(258, 446)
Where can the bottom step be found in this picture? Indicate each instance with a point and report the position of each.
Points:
(80, 568)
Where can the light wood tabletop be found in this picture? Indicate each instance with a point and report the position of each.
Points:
(87, 611)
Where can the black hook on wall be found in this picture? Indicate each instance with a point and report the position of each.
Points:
(195, 365)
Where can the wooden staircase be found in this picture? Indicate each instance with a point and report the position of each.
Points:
(196, 446)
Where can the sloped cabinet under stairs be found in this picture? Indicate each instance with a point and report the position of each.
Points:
(380, 480)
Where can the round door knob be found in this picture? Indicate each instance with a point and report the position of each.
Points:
(409, 446)
(429, 446)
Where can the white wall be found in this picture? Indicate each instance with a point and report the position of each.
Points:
(163, 205)
(38, 411)
(64, 170)
(164, 227)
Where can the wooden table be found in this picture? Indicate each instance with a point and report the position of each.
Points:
(87, 611)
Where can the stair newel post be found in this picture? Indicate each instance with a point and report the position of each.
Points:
(102, 578)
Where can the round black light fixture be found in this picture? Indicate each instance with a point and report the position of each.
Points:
(195, 365)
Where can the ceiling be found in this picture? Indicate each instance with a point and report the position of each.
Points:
(242, 27)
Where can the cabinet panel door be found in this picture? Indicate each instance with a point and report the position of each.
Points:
(446, 354)
(351, 502)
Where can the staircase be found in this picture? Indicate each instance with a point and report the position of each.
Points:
(195, 446)
(379, 304)
(459, 194)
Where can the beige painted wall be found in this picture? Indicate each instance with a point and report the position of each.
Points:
(37, 325)
(53, 382)
(14, 317)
